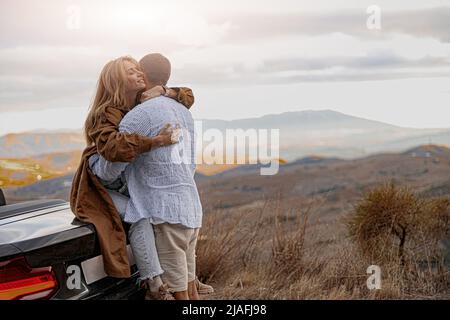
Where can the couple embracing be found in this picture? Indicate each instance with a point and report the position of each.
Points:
(134, 172)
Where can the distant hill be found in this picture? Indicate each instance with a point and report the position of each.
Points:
(325, 133)
(322, 119)
(337, 182)
(57, 188)
(328, 135)
(24, 145)
(426, 168)
(312, 160)
(429, 151)
(24, 171)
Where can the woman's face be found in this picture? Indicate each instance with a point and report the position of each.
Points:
(135, 78)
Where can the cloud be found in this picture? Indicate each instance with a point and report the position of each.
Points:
(44, 76)
(374, 66)
(34, 79)
(45, 64)
(372, 61)
(433, 22)
(174, 26)
(107, 24)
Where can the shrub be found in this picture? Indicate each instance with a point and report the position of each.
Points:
(384, 221)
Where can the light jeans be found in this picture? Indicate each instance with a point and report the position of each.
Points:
(141, 234)
(142, 241)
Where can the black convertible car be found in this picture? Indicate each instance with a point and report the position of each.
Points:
(46, 253)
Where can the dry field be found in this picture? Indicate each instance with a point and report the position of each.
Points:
(282, 249)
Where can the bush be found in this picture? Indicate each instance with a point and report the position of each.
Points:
(393, 223)
(384, 220)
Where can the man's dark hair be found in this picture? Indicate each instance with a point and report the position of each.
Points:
(156, 68)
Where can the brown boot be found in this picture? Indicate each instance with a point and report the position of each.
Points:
(203, 288)
(162, 294)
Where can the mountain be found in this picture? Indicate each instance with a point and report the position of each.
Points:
(324, 133)
(25, 171)
(338, 181)
(56, 188)
(334, 134)
(335, 183)
(310, 119)
(22, 145)
(429, 151)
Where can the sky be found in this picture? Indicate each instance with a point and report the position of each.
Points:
(242, 59)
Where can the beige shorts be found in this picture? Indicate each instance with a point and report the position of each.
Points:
(175, 244)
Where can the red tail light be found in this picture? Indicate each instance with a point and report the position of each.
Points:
(18, 281)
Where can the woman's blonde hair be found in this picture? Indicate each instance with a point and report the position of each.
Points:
(111, 91)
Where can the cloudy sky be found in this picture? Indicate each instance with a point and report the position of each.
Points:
(243, 58)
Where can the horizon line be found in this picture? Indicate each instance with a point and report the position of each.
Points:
(66, 129)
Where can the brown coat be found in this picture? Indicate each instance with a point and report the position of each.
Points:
(90, 201)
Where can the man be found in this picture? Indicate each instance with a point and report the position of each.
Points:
(161, 187)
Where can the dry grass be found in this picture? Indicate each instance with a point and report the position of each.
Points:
(282, 251)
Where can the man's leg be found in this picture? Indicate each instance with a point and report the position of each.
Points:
(172, 242)
(190, 258)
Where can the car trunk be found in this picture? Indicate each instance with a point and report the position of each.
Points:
(47, 234)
